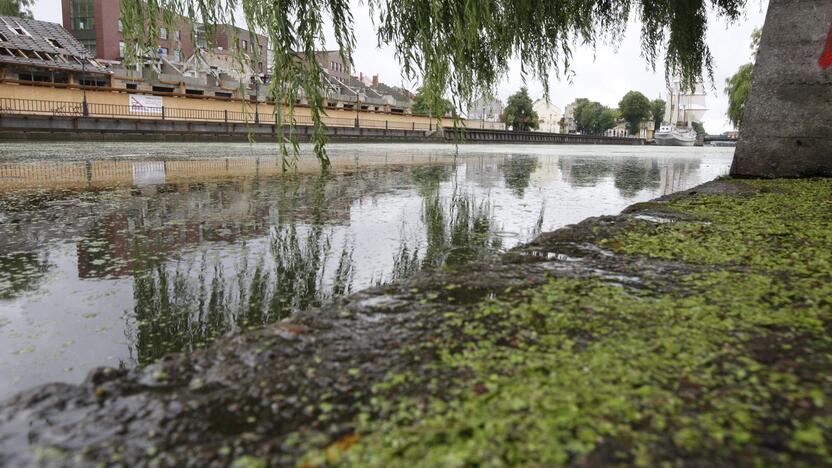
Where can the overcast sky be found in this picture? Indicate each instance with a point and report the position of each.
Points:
(604, 74)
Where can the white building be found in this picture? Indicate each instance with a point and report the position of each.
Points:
(569, 125)
(548, 115)
(485, 108)
(645, 129)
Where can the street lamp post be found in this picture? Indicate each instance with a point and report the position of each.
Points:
(357, 106)
(85, 109)
(256, 102)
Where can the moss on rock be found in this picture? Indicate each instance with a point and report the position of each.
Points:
(726, 365)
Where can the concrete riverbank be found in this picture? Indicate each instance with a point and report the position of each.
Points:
(16, 127)
(692, 329)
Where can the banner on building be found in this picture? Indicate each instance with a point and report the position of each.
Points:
(142, 104)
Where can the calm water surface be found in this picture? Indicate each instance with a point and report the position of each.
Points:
(116, 254)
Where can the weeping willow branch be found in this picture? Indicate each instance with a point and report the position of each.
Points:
(461, 47)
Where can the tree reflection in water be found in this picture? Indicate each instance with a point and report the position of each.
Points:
(517, 170)
(458, 228)
(21, 272)
(635, 175)
(186, 304)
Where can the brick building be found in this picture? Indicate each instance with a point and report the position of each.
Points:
(97, 25)
(224, 38)
(331, 61)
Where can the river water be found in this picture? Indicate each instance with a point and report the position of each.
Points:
(117, 254)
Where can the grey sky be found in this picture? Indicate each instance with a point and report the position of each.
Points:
(604, 74)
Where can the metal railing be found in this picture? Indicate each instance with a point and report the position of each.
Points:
(98, 110)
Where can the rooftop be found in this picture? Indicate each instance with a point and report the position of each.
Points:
(31, 42)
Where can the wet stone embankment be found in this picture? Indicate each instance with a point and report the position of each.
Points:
(369, 379)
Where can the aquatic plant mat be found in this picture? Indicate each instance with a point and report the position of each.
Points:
(690, 330)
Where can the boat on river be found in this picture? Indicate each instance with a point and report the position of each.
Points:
(685, 108)
(669, 135)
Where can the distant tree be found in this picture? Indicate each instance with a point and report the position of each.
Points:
(16, 8)
(737, 88)
(699, 128)
(739, 85)
(593, 118)
(756, 35)
(634, 108)
(606, 121)
(586, 112)
(422, 105)
(657, 108)
(519, 113)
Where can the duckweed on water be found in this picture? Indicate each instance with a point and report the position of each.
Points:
(727, 365)
(785, 226)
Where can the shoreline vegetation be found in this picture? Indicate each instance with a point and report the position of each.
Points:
(693, 329)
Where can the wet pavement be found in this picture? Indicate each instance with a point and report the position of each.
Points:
(117, 255)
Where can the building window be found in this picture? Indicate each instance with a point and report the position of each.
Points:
(177, 35)
(131, 86)
(163, 52)
(222, 94)
(90, 82)
(31, 76)
(177, 55)
(120, 26)
(121, 48)
(163, 33)
(245, 45)
(82, 15)
(260, 66)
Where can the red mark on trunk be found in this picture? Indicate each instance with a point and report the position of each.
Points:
(825, 59)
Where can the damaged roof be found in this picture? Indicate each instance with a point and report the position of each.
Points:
(31, 42)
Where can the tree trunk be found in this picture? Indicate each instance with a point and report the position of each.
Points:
(787, 122)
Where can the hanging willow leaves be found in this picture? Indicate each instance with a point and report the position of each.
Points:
(22, 8)
(461, 47)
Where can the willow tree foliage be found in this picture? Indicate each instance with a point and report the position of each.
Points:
(21, 8)
(738, 87)
(459, 47)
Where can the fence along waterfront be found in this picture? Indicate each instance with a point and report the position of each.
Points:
(76, 109)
